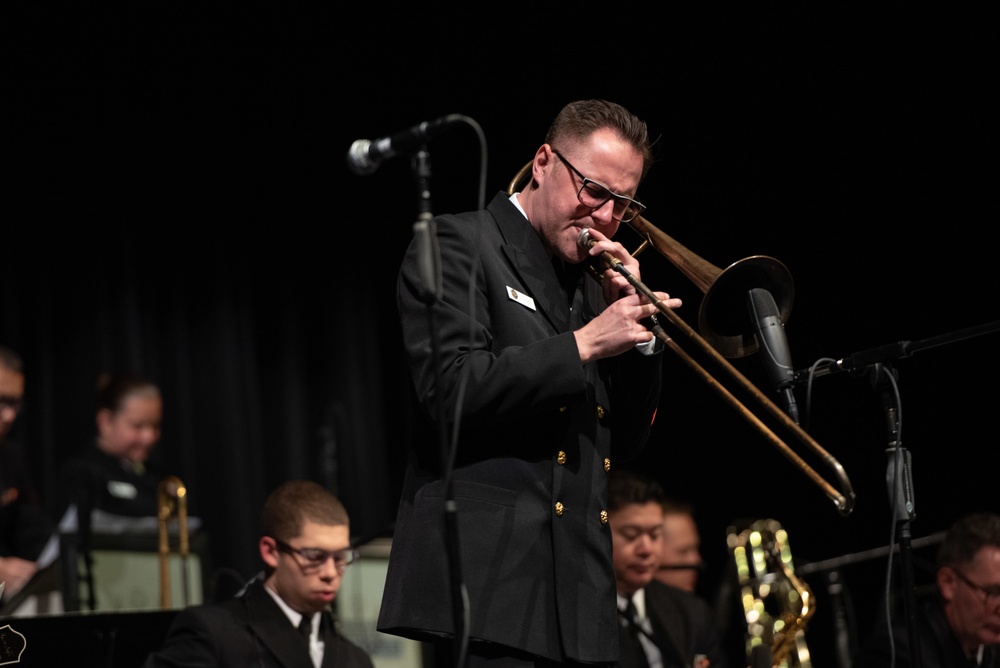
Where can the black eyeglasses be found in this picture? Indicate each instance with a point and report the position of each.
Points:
(314, 558)
(991, 593)
(13, 403)
(594, 195)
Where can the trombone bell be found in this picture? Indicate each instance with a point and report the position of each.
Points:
(722, 316)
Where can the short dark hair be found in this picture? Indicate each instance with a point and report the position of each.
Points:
(674, 506)
(11, 360)
(578, 120)
(294, 502)
(967, 536)
(626, 487)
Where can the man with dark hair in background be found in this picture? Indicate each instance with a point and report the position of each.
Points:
(680, 558)
(661, 626)
(25, 528)
(960, 626)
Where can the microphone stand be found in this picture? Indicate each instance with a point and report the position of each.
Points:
(429, 261)
(899, 479)
(845, 634)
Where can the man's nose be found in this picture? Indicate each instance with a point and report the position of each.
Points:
(647, 545)
(604, 214)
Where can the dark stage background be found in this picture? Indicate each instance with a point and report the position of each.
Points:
(178, 203)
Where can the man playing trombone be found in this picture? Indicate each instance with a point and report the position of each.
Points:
(502, 549)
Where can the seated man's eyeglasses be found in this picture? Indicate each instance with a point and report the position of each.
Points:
(990, 594)
(594, 195)
(313, 558)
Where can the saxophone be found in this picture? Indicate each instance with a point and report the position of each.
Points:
(776, 603)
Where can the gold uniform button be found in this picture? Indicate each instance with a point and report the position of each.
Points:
(604, 517)
(559, 508)
(561, 457)
(600, 412)
(607, 464)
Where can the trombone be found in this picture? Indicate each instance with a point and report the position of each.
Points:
(726, 334)
(171, 497)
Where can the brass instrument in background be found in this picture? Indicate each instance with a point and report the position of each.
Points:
(776, 603)
(171, 495)
(724, 321)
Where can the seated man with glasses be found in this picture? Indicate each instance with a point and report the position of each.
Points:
(961, 626)
(282, 617)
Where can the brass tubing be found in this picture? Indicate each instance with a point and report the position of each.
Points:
(722, 317)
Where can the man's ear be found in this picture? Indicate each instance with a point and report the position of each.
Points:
(103, 420)
(540, 165)
(946, 581)
(269, 551)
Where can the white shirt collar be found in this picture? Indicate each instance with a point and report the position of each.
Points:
(516, 202)
(293, 616)
(638, 600)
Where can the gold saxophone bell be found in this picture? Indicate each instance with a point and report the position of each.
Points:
(777, 604)
(171, 503)
(728, 333)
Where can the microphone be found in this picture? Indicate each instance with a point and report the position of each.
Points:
(773, 346)
(365, 155)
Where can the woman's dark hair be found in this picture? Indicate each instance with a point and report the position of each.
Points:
(114, 388)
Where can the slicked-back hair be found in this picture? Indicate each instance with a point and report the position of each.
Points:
(580, 119)
(11, 360)
(293, 503)
(967, 536)
(626, 487)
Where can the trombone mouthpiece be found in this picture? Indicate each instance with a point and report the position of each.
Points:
(584, 238)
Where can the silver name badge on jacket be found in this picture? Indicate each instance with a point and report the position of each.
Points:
(521, 298)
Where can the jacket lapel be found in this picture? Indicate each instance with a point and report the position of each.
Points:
(270, 624)
(669, 624)
(531, 262)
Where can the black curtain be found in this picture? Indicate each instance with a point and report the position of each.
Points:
(177, 202)
(272, 365)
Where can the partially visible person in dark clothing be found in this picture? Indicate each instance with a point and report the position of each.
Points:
(25, 527)
(960, 626)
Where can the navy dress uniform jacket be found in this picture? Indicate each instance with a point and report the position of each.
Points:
(538, 434)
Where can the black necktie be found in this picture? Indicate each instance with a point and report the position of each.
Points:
(305, 628)
(633, 655)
